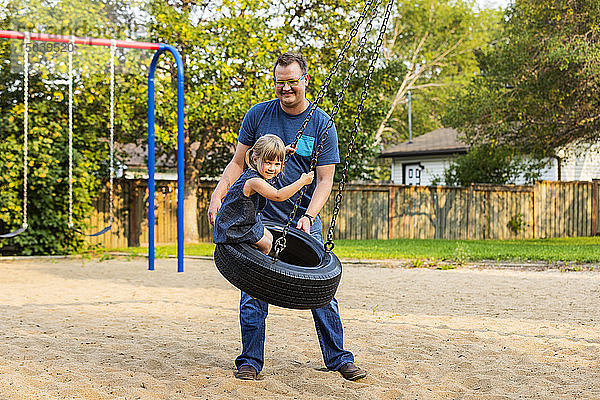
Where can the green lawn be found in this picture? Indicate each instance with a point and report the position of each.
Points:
(583, 249)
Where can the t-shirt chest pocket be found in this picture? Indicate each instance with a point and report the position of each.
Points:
(305, 146)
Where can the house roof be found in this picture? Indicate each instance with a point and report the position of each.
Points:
(439, 141)
(136, 155)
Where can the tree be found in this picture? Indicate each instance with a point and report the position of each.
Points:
(539, 83)
(431, 47)
(490, 163)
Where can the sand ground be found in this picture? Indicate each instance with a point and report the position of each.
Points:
(77, 329)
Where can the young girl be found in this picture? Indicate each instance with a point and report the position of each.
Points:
(236, 220)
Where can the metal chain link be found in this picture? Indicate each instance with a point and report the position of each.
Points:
(25, 123)
(338, 199)
(70, 57)
(280, 243)
(342, 93)
(333, 70)
(113, 46)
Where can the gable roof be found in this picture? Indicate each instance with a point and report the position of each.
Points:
(136, 155)
(439, 141)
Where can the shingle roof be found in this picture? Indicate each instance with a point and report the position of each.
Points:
(440, 141)
(136, 155)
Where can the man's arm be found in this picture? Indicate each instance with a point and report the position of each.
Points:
(232, 171)
(324, 179)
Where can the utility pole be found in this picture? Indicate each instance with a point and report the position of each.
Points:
(409, 119)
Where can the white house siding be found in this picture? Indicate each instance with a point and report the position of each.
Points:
(433, 167)
(575, 165)
(581, 163)
(549, 173)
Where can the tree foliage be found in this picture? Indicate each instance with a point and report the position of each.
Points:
(540, 79)
(492, 164)
(430, 49)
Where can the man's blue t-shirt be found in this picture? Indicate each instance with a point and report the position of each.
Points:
(268, 118)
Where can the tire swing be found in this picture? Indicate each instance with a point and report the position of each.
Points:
(303, 274)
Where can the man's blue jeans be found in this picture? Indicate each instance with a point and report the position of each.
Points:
(328, 323)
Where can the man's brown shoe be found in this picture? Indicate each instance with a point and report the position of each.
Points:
(352, 372)
(246, 372)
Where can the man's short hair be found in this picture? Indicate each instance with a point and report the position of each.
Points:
(287, 58)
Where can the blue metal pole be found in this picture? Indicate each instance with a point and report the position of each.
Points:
(180, 155)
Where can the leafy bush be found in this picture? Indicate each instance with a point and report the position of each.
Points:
(491, 164)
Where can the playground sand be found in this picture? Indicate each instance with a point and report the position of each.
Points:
(76, 329)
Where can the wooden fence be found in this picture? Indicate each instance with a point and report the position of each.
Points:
(545, 210)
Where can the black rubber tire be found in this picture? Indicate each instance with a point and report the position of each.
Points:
(305, 276)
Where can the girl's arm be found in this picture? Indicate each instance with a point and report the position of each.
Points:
(266, 190)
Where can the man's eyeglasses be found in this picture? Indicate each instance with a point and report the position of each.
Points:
(291, 82)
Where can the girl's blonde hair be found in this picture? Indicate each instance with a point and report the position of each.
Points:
(267, 147)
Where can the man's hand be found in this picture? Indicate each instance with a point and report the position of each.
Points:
(213, 208)
(304, 224)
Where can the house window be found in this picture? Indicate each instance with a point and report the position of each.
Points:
(412, 174)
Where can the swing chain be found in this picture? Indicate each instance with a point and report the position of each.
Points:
(281, 241)
(70, 58)
(329, 245)
(342, 93)
(25, 122)
(332, 71)
(113, 47)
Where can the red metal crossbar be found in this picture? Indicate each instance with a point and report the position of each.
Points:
(42, 37)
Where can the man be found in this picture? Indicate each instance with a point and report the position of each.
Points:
(283, 117)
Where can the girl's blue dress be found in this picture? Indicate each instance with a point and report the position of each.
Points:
(237, 220)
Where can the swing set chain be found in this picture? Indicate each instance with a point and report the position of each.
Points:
(70, 57)
(329, 245)
(342, 93)
(113, 47)
(280, 243)
(25, 123)
(333, 70)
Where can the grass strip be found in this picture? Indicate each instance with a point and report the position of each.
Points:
(578, 249)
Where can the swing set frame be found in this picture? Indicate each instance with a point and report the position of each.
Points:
(159, 49)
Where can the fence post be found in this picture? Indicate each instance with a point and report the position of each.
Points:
(595, 207)
(534, 209)
(391, 212)
(468, 221)
(133, 231)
